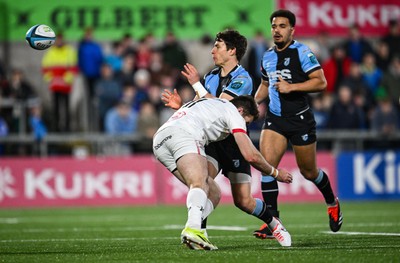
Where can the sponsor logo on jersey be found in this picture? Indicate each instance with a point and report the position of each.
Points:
(286, 62)
(312, 58)
(284, 73)
(237, 84)
(236, 163)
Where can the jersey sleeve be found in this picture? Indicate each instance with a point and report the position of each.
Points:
(235, 121)
(309, 61)
(241, 85)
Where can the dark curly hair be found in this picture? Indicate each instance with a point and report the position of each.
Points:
(284, 13)
(248, 104)
(233, 39)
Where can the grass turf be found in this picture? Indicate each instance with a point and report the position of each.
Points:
(370, 233)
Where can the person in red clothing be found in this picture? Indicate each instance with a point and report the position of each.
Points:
(59, 67)
(336, 67)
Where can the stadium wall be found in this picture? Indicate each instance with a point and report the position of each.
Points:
(141, 180)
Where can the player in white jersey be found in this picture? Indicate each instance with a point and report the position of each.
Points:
(179, 146)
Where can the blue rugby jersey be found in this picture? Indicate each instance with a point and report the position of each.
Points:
(294, 64)
(237, 82)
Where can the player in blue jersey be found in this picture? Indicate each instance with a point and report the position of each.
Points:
(289, 72)
(227, 81)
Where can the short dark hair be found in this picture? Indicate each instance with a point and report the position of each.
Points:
(284, 13)
(248, 104)
(233, 39)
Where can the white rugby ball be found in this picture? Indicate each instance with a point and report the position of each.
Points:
(40, 37)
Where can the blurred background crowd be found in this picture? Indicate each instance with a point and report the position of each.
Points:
(115, 88)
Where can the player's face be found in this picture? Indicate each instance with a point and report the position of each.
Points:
(282, 32)
(219, 53)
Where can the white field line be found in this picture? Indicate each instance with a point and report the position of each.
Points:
(361, 233)
(166, 227)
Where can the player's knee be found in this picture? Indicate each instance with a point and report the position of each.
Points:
(309, 174)
(244, 204)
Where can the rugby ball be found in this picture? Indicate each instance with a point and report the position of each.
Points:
(40, 37)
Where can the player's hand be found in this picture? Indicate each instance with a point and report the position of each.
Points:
(284, 176)
(171, 99)
(282, 86)
(190, 72)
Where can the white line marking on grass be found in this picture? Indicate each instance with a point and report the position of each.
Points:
(361, 233)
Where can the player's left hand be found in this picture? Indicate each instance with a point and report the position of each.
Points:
(284, 176)
(190, 72)
(282, 86)
(171, 99)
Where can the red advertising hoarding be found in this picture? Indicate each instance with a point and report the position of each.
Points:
(335, 17)
(137, 180)
(74, 182)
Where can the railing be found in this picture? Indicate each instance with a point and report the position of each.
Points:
(100, 143)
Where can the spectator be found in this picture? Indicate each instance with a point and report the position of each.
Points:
(108, 92)
(356, 45)
(258, 45)
(121, 119)
(371, 74)
(142, 80)
(322, 49)
(385, 118)
(392, 38)
(19, 93)
(320, 113)
(391, 81)
(38, 127)
(3, 133)
(148, 121)
(125, 76)
(116, 59)
(128, 45)
(382, 56)
(143, 54)
(90, 60)
(344, 114)
(173, 53)
(336, 68)
(357, 84)
(59, 66)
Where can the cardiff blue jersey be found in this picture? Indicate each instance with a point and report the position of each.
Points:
(237, 82)
(293, 64)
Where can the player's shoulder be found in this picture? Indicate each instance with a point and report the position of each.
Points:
(300, 46)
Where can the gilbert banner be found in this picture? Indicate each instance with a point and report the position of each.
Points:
(112, 19)
(137, 180)
(335, 17)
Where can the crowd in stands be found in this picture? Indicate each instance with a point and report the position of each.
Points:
(121, 86)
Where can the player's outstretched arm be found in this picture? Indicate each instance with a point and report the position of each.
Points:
(171, 99)
(254, 157)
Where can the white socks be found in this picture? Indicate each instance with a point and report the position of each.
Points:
(196, 201)
(207, 209)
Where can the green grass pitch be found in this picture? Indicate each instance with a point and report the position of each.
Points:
(370, 233)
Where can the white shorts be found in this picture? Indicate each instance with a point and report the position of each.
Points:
(171, 143)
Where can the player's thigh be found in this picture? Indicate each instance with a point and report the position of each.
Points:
(306, 160)
(272, 146)
(193, 169)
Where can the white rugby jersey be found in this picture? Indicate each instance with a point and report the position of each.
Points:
(208, 119)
